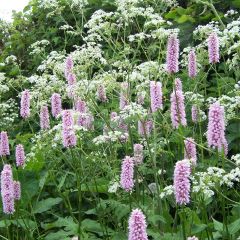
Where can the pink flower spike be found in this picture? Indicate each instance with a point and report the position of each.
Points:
(192, 238)
(101, 94)
(194, 113)
(213, 48)
(44, 118)
(192, 64)
(137, 226)
(190, 151)
(127, 173)
(68, 66)
(145, 127)
(156, 96)
(20, 155)
(16, 190)
(178, 84)
(181, 182)
(71, 78)
(81, 106)
(56, 104)
(172, 54)
(7, 189)
(25, 104)
(4, 144)
(68, 132)
(138, 154)
(216, 128)
(178, 115)
(123, 95)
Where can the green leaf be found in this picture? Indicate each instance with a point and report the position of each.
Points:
(46, 204)
(95, 227)
(154, 219)
(234, 227)
(58, 235)
(218, 225)
(198, 228)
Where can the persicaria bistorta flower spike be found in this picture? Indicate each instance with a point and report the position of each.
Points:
(127, 174)
(178, 114)
(156, 96)
(145, 127)
(190, 151)
(20, 155)
(192, 64)
(181, 184)
(44, 118)
(194, 113)
(4, 144)
(192, 238)
(56, 104)
(71, 78)
(216, 128)
(7, 189)
(172, 54)
(213, 48)
(137, 226)
(68, 66)
(25, 104)
(178, 84)
(81, 106)
(123, 95)
(138, 153)
(17, 190)
(68, 132)
(101, 94)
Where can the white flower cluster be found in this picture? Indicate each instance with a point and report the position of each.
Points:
(111, 136)
(236, 159)
(133, 111)
(167, 191)
(11, 59)
(114, 185)
(79, 4)
(54, 62)
(8, 113)
(230, 13)
(39, 47)
(49, 4)
(3, 87)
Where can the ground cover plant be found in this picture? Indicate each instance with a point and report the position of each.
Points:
(120, 120)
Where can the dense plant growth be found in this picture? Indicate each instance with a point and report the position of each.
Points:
(120, 120)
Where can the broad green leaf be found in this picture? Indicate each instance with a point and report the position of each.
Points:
(234, 227)
(218, 225)
(46, 204)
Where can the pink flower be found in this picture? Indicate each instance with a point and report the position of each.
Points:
(71, 79)
(178, 115)
(192, 64)
(56, 104)
(137, 226)
(140, 98)
(192, 238)
(194, 113)
(16, 190)
(172, 54)
(4, 145)
(101, 94)
(156, 96)
(138, 154)
(44, 118)
(7, 189)
(190, 151)
(68, 132)
(181, 184)
(68, 66)
(25, 104)
(213, 48)
(20, 155)
(178, 84)
(124, 95)
(216, 128)
(145, 127)
(126, 180)
(81, 106)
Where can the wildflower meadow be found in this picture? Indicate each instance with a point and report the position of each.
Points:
(120, 119)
